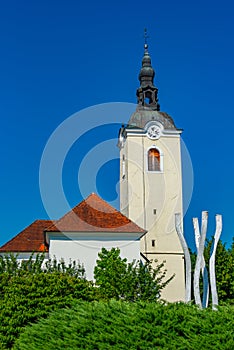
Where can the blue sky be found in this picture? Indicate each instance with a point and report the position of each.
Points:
(58, 57)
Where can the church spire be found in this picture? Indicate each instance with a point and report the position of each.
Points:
(147, 93)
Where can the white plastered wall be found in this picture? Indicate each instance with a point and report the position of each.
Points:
(84, 247)
(151, 200)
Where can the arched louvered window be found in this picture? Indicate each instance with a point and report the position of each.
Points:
(154, 160)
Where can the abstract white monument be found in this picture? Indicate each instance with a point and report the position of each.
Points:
(200, 267)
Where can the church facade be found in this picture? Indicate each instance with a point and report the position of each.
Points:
(150, 195)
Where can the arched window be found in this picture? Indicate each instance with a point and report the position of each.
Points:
(154, 160)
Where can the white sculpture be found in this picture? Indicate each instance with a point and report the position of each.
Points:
(188, 269)
(203, 269)
(200, 261)
(217, 235)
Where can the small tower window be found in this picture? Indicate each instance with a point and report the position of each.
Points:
(153, 159)
(123, 167)
(147, 100)
(153, 243)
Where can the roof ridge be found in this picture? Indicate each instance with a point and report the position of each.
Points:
(103, 200)
(94, 213)
(62, 217)
(79, 204)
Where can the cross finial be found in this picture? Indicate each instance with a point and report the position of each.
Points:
(146, 36)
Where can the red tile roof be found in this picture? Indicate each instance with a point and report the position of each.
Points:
(93, 214)
(31, 239)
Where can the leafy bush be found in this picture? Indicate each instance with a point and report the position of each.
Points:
(10, 264)
(138, 326)
(224, 269)
(26, 298)
(116, 278)
(32, 289)
(29, 291)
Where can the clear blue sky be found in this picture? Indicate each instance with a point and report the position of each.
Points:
(58, 57)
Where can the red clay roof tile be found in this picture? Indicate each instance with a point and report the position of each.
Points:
(93, 214)
(31, 239)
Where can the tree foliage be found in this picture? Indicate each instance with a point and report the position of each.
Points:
(116, 278)
(36, 263)
(224, 269)
(32, 290)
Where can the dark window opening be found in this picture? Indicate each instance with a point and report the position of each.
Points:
(153, 242)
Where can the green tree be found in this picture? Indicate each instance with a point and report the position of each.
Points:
(224, 269)
(116, 278)
(110, 273)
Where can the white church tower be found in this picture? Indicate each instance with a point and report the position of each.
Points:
(151, 179)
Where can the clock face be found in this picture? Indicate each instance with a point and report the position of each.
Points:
(154, 132)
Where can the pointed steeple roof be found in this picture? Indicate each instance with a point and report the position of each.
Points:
(147, 93)
(147, 73)
(148, 108)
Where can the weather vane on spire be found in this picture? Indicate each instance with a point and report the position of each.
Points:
(146, 36)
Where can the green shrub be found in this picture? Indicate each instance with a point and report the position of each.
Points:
(27, 297)
(224, 269)
(119, 279)
(122, 325)
(32, 289)
(10, 264)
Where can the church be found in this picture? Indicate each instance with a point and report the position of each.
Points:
(150, 196)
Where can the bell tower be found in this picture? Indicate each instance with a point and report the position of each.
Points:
(151, 179)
